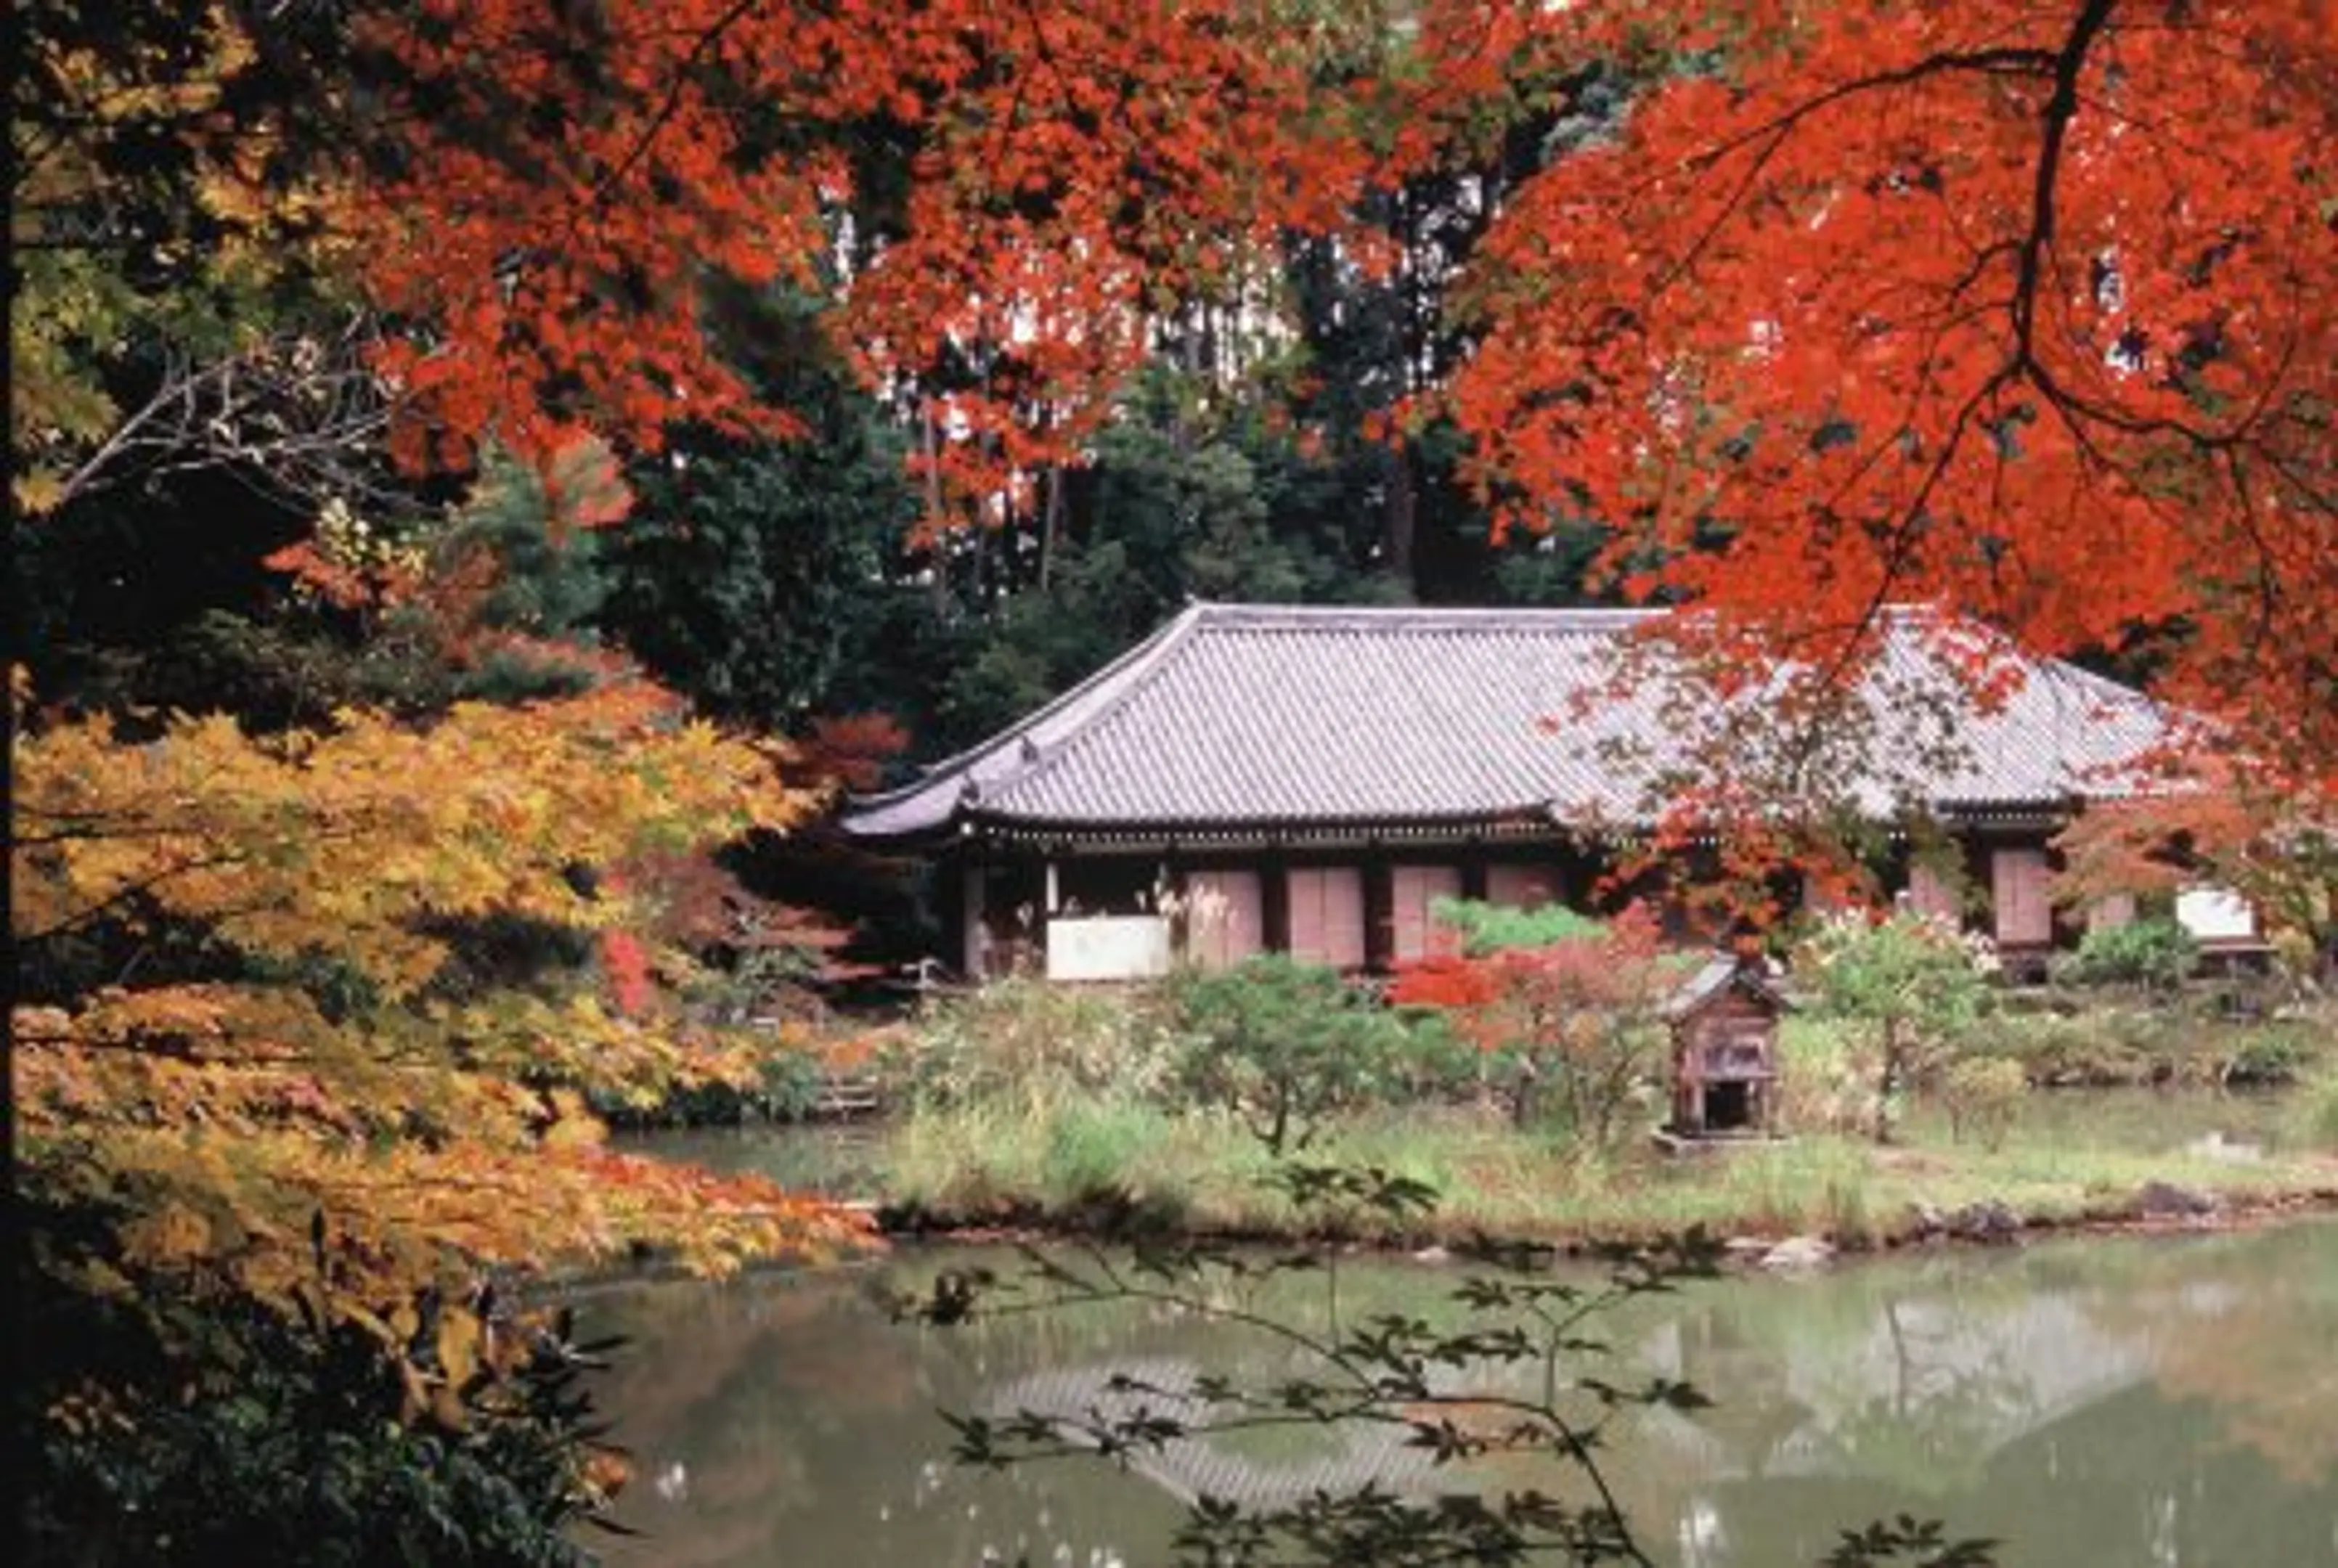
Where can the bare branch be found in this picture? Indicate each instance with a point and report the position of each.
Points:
(297, 416)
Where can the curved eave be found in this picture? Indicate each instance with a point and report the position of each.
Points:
(934, 803)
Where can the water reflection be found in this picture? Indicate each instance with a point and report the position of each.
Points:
(2156, 1403)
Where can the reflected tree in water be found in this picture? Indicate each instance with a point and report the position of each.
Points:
(1515, 1369)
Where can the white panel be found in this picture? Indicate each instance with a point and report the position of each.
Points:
(2216, 914)
(1107, 947)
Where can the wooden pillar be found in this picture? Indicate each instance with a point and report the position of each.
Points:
(1380, 915)
(1473, 872)
(1274, 903)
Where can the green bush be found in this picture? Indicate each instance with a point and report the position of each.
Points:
(2157, 953)
(270, 1440)
(2097, 1047)
(1284, 1044)
(1433, 1063)
(2101, 1045)
(2275, 1054)
(1499, 927)
(1910, 985)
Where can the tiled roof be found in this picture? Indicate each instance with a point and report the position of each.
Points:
(1720, 973)
(1240, 716)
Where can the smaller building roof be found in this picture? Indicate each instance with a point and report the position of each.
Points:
(1723, 974)
(1249, 719)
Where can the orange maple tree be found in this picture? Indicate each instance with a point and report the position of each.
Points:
(326, 1115)
(2020, 309)
(2017, 308)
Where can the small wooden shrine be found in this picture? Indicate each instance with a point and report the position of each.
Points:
(1724, 1026)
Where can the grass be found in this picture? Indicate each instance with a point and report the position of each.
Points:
(2055, 1165)
(1032, 1106)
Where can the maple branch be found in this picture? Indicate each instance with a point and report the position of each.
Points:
(126, 892)
(671, 104)
(2061, 107)
(2002, 62)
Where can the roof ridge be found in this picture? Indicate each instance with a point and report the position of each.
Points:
(1233, 613)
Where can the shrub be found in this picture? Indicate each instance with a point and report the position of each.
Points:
(2101, 1045)
(1485, 929)
(1284, 1044)
(1983, 1094)
(1821, 1085)
(1026, 1042)
(1910, 983)
(2158, 953)
(1574, 1025)
(1434, 1062)
(2093, 1048)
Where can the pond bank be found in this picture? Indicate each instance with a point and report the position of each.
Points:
(1987, 1223)
(2121, 1162)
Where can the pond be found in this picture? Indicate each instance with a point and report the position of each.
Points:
(2170, 1402)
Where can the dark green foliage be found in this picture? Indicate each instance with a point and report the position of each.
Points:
(1175, 507)
(292, 667)
(252, 1438)
(107, 588)
(759, 578)
(1284, 1044)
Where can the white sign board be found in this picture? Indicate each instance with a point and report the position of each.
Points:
(1107, 947)
(2215, 915)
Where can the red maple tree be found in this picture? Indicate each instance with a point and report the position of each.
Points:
(2021, 309)
(1573, 1019)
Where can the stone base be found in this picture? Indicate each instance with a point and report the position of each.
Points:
(1673, 1140)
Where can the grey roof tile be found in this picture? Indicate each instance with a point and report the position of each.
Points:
(1242, 716)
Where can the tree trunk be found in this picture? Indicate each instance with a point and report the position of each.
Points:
(1051, 522)
(1886, 1079)
(930, 441)
(1399, 517)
